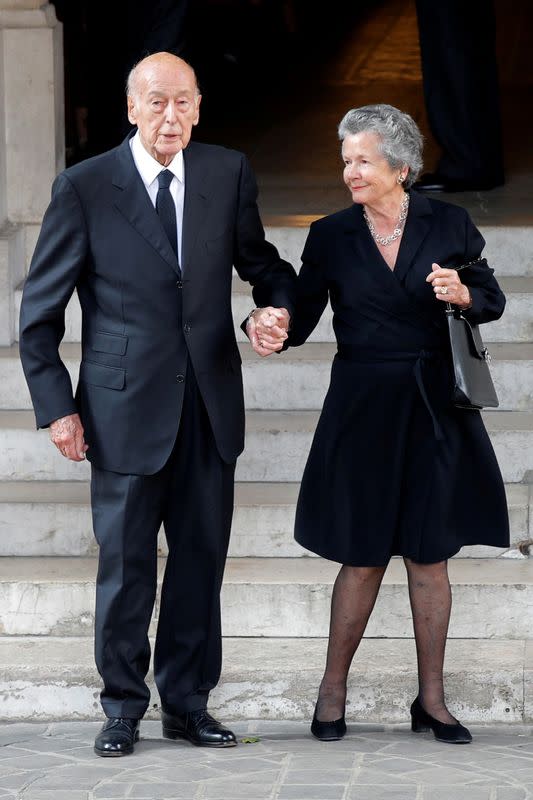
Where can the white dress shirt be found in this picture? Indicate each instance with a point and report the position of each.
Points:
(149, 170)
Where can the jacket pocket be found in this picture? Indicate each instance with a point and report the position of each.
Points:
(101, 375)
(113, 343)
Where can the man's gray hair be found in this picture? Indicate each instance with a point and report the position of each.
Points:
(131, 83)
(400, 139)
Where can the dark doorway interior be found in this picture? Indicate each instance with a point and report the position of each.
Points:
(276, 77)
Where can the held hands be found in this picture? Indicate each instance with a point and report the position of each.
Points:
(448, 287)
(267, 329)
(67, 435)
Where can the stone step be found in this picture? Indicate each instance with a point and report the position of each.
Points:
(516, 325)
(509, 250)
(297, 379)
(48, 518)
(277, 444)
(487, 681)
(53, 519)
(264, 459)
(493, 598)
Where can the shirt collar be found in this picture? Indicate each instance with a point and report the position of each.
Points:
(148, 167)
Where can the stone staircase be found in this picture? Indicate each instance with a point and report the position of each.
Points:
(275, 596)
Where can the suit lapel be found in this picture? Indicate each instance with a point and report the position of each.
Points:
(416, 229)
(195, 205)
(133, 201)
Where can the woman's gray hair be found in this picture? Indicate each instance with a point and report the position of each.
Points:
(400, 139)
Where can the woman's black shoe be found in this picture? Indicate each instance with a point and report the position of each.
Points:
(421, 722)
(328, 731)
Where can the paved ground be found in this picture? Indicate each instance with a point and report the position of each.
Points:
(56, 762)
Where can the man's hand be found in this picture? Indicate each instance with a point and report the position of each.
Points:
(267, 329)
(67, 435)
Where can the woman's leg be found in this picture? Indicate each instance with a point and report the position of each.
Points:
(431, 602)
(354, 594)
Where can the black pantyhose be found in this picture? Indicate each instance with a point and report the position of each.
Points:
(431, 602)
(354, 596)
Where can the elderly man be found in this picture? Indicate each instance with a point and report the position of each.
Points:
(147, 233)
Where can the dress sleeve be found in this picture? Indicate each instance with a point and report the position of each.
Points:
(311, 292)
(488, 300)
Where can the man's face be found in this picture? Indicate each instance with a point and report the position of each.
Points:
(165, 105)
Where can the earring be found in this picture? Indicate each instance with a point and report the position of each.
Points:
(400, 179)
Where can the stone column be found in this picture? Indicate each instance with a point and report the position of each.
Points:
(32, 149)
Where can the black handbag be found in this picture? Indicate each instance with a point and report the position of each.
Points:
(473, 386)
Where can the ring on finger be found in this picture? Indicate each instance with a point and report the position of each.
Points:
(444, 290)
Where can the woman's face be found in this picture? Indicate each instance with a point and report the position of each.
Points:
(367, 173)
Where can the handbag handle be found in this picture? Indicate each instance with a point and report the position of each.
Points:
(470, 264)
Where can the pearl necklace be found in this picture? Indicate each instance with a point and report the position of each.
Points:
(398, 230)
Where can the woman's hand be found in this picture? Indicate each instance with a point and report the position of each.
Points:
(267, 329)
(448, 287)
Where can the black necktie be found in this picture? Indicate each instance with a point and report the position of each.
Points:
(164, 205)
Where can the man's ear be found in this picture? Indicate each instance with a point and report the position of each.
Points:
(197, 117)
(131, 110)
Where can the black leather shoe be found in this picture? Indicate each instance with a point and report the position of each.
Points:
(328, 731)
(117, 737)
(433, 182)
(453, 733)
(199, 728)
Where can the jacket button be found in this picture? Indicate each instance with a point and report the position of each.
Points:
(180, 378)
(187, 328)
(179, 284)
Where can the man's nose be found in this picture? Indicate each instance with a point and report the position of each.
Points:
(171, 114)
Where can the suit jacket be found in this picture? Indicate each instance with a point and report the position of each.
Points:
(142, 323)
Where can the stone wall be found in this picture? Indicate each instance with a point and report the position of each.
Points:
(32, 149)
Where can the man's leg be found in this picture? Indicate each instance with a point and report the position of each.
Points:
(197, 523)
(126, 518)
(458, 50)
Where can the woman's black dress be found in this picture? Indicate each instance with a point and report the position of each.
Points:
(395, 468)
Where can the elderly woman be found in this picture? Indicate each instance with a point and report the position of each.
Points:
(394, 468)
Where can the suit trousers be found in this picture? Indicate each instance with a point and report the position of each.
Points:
(192, 497)
(460, 76)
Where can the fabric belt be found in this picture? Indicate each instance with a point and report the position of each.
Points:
(419, 359)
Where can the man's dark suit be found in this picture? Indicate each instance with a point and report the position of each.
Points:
(460, 73)
(155, 343)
